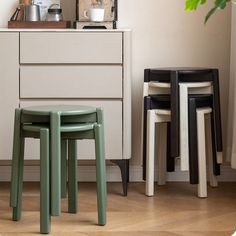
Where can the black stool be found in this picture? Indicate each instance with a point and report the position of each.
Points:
(174, 76)
(195, 101)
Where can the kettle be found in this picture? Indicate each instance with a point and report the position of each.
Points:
(32, 12)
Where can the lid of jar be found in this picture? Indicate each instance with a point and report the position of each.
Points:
(55, 10)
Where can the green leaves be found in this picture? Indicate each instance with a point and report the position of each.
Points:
(191, 5)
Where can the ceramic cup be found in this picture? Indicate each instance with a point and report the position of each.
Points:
(95, 14)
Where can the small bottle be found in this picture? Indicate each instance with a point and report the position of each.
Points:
(54, 13)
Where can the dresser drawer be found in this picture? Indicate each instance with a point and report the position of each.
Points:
(86, 151)
(75, 47)
(93, 81)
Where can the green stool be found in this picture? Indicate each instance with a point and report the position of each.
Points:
(72, 122)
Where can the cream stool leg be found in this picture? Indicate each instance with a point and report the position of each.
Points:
(161, 157)
(145, 93)
(219, 158)
(202, 186)
(150, 153)
(184, 158)
(212, 178)
(154, 116)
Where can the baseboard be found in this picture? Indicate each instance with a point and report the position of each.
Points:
(87, 174)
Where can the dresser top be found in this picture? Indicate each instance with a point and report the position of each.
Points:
(62, 30)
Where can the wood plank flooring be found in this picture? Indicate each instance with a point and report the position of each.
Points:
(174, 210)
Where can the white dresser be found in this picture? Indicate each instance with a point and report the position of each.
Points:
(88, 67)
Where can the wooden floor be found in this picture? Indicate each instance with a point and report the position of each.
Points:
(175, 210)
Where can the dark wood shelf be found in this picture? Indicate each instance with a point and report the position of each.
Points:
(39, 24)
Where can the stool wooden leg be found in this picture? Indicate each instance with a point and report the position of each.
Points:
(193, 146)
(161, 158)
(15, 159)
(17, 209)
(55, 164)
(202, 186)
(100, 173)
(216, 166)
(216, 111)
(175, 128)
(212, 178)
(170, 165)
(72, 177)
(125, 171)
(147, 106)
(45, 219)
(184, 141)
(219, 158)
(63, 168)
(143, 128)
(150, 153)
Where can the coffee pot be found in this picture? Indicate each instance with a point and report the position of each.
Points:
(32, 12)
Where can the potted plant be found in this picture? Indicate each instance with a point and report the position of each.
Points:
(191, 5)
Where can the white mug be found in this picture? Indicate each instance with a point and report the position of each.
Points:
(95, 14)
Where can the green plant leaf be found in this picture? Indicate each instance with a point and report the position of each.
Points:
(191, 5)
(210, 13)
(219, 5)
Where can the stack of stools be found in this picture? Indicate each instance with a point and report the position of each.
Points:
(192, 93)
(56, 126)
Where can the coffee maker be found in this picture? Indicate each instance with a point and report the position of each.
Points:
(83, 7)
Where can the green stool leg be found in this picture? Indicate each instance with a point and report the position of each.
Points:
(45, 219)
(100, 120)
(72, 177)
(15, 159)
(55, 124)
(100, 174)
(63, 168)
(17, 209)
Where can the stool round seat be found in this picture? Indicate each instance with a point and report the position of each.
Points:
(63, 128)
(64, 110)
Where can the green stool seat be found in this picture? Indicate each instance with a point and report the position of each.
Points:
(64, 110)
(64, 128)
(80, 123)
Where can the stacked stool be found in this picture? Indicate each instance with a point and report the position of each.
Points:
(178, 83)
(55, 125)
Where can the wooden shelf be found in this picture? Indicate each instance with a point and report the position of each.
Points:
(39, 24)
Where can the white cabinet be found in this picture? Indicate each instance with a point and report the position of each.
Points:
(9, 89)
(81, 67)
(68, 67)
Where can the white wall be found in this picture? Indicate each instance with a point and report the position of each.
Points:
(164, 35)
(7, 8)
